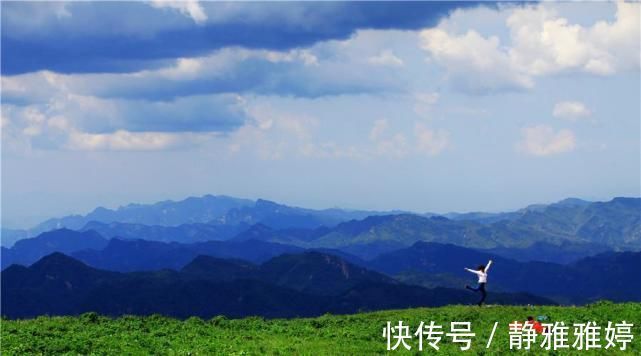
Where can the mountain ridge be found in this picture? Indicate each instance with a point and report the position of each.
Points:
(73, 288)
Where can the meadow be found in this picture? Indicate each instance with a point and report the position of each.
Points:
(355, 334)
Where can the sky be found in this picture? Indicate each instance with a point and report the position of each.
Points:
(416, 106)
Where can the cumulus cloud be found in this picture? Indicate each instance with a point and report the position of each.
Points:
(542, 140)
(541, 43)
(430, 142)
(570, 110)
(379, 128)
(545, 43)
(275, 136)
(69, 121)
(392, 144)
(427, 141)
(474, 64)
(270, 134)
(199, 94)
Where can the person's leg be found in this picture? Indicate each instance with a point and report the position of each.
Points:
(483, 293)
(472, 289)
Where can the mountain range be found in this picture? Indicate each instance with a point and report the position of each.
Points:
(306, 284)
(615, 224)
(612, 275)
(584, 228)
(426, 264)
(563, 232)
(221, 255)
(27, 251)
(193, 219)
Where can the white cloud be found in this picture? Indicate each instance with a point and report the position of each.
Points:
(61, 125)
(198, 94)
(541, 43)
(570, 110)
(394, 146)
(387, 143)
(270, 134)
(542, 140)
(34, 121)
(295, 55)
(379, 128)
(545, 43)
(430, 142)
(189, 8)
(474, 64)
(122, 140)
(296, 72)
(386, 58)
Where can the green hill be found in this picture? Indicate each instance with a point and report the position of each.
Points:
(356, 334)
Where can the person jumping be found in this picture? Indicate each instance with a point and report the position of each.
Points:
(481, 272)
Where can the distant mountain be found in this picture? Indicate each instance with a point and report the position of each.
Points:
(60, 285)
(611, 275)
(55, 284)
(309, 272)
(220, 269)
(483, 218)
(141, 255)
(565, 252)
(318, 273)
(563, 231)
(403, 230)
(27, 251)
(263, 232)
(70, 287)
(426, 264)
(166, 213)
(616, 223)
(434, 280)
(587, 280)
(280, 216)
(577, 227)
(490, 218)
(10, 236)
(370, 250)
(185, 233)
(192, 216)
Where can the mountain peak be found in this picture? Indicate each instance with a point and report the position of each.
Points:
(58, 261)
(317, 272)
(266, 203)
(572, 202)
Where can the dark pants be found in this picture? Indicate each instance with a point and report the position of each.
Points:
(480, 288)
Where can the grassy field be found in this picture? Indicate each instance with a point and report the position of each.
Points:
(357, 334)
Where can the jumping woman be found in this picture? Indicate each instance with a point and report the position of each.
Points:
(481, 272)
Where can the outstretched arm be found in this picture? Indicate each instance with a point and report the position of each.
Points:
(488, 266)
(473, 271)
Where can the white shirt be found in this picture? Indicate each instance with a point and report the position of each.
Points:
(481, 274)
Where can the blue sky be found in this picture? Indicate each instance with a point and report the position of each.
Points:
(417, 106)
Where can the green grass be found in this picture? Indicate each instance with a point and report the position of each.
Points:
(357, 334)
